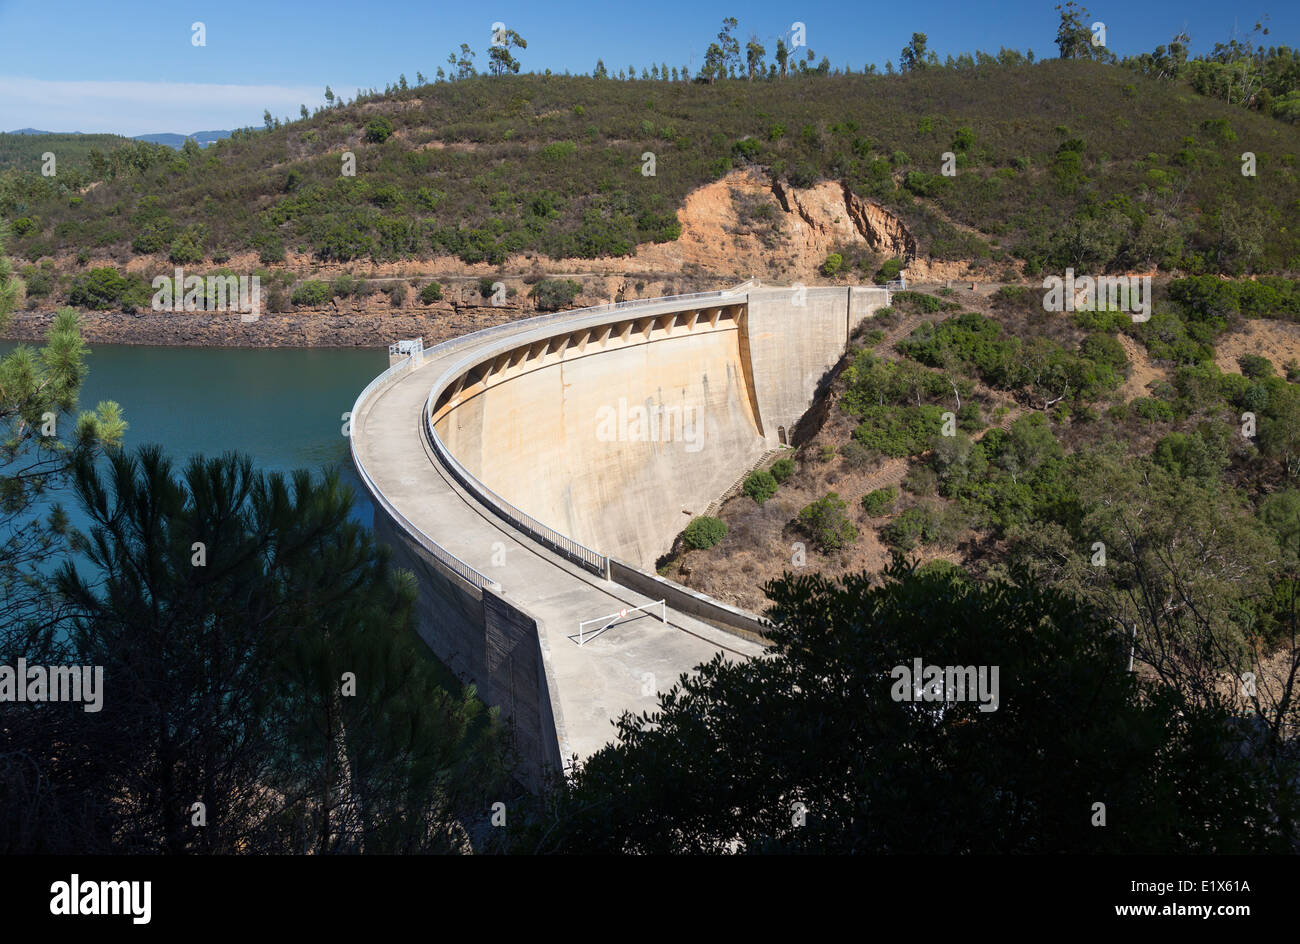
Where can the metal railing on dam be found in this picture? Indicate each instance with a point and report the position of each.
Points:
(575, 551)
(445, 557)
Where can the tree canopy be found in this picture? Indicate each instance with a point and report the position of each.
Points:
(806, 749)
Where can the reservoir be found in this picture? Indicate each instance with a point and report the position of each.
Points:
(282, 406)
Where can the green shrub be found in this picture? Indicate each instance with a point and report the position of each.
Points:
(782, 469)
(880, 501)
(137, 295)
(746, 150)
(39, 282)
(1104, 349)
(919, 525)
(347, 286)
(485, 286)
(826, 523)
(555, 294)
(99, 289)
(1254, 366)
(926, 185)
(559, 151)
(831, 267)
(943, 568)
(379, 129)
(1012, 296)
(428, 198)
(311, 294)
(269, 249)
(968, 417)
(431, 292)
(155, 232)
(1256, 398)
(899, 430)
(1211, 299)
(760, 485)
(704, 532)
(888, 272)
(396, 294)
(1153, 411)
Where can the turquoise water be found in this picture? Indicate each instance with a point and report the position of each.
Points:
(281, 406)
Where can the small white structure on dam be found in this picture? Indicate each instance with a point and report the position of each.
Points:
(531, 474)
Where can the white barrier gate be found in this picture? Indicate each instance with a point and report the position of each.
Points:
(610, 620)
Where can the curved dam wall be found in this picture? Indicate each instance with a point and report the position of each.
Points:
(545, 411)
(617, 429)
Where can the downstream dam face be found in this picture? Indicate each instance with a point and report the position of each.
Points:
(616, 433)
(530, 475)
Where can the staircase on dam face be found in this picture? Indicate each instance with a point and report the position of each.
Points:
(763, 462)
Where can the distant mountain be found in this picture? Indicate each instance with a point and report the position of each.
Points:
(176, 141)
(202, 138)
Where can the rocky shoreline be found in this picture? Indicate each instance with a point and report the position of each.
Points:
(289, 329)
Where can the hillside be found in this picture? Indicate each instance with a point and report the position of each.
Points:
(23, 151)
(1062, 163)
(1159, 485)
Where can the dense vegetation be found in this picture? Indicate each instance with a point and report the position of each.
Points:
(806, 749)
(704, 532)
(81, 158)
(1172, 513)
(1095, 531)
(1060, 163)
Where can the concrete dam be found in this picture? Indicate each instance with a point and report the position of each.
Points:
(531, 474)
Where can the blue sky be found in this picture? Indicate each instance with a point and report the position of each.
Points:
(129, 66)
